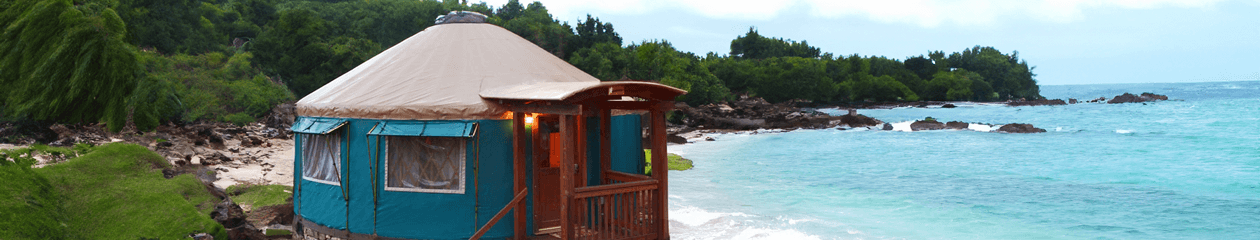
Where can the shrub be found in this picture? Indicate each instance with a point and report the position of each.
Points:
(239, 119)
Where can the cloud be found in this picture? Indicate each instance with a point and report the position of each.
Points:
(926, 13)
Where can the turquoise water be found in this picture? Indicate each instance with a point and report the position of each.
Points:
(1182, 169)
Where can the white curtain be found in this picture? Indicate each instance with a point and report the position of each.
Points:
(321, 157)
(425, 164)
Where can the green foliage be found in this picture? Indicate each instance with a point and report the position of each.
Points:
(949, 86)
(535, 24)
(204, 87)
(1007, 75)
(754, 46)
(676, 163)
(239, 119)
(260, 195)
(659, 60)
(31, 206)
(295, 49)
(606, 61)
(66, 63)
(592, 32)
(114, 191)
(882, 88)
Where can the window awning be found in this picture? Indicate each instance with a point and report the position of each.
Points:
(317, 126)
(427, 129)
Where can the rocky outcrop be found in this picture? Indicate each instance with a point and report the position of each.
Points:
(1043, 102)
(1020, 128)
(949, 105)
(1130, 98)
(857, 120)
(926, 125)
(956, 125)
(749, 113)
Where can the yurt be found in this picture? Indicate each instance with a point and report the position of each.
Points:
(465, 131)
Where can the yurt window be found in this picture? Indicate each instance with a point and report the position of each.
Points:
(321, 155)
(425, 164)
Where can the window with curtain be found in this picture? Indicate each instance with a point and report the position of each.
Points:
(425, 164)
(321, 158)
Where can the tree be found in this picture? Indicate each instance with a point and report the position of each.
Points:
(66, 63)
(606, 61)
(658, 60)
(592, 31)
(754, 46)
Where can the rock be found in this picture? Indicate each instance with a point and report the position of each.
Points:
(218, 156)
(1050, 102)
(1153, 96)
(749, 113)
(956, 125)
(281, 116)
(858, 120)
(201, 236)
(1099, 99)
(1072, 101)
(674, 138)
(228, 214)
(1130, 98)
(709, 139)
(926, 125)
(1020, 128)
(948, 105)
(283, 214)
(888, 127)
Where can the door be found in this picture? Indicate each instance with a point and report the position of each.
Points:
(547, 155)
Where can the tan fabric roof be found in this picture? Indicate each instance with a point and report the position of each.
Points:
(439, 73)
(556, 91)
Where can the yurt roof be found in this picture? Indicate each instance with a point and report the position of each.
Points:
(440, 73)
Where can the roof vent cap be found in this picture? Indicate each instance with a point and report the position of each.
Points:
(461, 17)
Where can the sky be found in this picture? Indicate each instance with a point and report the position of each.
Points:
(1068, 41)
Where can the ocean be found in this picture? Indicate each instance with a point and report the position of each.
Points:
(1188, 168)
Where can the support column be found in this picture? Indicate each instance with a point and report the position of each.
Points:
(518, 173)
(567, 130)
(660, 168)
(605, 144)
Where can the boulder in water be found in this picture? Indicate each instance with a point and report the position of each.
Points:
(1020, 128)
(956, 125)
(1130, 98)
(926, 125)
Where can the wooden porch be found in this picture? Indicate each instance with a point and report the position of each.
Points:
(619, 206)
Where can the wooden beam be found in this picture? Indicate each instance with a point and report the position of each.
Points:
(567, 129)
(545, 107)
(634, 105)
(497, 216)
(518, 172)
(605, 143)
(660, 170)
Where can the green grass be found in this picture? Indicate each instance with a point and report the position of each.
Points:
(30, 208)
(675, 162)
(259, 196)
(115, 191)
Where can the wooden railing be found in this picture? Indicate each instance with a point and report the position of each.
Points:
(624, 209)
(497, 216)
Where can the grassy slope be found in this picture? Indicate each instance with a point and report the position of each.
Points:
(259, 196)
(117, 192)
(29, 207)
(675, 162)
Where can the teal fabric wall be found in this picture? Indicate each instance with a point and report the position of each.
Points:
(324, 203)
(438, 215)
